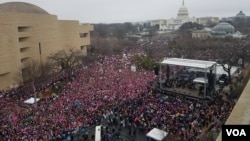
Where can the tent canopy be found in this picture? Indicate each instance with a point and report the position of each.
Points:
(188, 63)
(157, 134)
(219, 70)
(31, 100)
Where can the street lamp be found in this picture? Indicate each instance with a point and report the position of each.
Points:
(34, 91)
(112, 39)
(40, 53)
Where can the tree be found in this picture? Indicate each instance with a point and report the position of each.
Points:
(31, 71)
(190, 26)
(144, 62)
(228, 58)
(153, 29)
(234, 53)
(242, 24)
(66, 60)
(119, 30)
(243, 51)
(183, 45)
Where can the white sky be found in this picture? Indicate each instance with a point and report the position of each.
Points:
(116, 11)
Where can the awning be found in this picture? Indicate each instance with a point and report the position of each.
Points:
(189, 63)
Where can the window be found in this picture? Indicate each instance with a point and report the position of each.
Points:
(83, 35)
(23, 28)
(82, 47)
(23, 39)
(25, 60)
(24, 49)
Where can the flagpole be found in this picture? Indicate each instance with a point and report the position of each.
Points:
(40, 53)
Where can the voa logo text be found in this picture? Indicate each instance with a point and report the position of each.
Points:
(236, 132)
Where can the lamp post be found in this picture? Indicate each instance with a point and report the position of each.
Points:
(112, 39)
(34, 91)
(40, 53)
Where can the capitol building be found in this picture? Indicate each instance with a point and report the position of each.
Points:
(181, 18)
(175, 23)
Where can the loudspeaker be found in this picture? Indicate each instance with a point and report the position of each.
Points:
(210, 78)
(156, 70)
(167, 72)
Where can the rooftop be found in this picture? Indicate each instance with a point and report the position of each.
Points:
(21, 7)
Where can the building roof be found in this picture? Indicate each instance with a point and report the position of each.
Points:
(189, 63)
(21, 7)
(241, 14)
(223, 27)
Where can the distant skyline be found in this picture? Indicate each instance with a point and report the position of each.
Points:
(119, 11)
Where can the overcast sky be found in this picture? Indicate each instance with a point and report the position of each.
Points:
(118, 11)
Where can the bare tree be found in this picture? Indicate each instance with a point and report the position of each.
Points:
(66, 60)
(228, 58)
(243, 51)
(235, 53)
(107, 46)
(31, 70)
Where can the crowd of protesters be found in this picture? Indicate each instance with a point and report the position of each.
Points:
(184, 119)
(93, 91)
(105, 90)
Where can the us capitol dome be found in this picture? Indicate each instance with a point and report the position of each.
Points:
(173, 24)
(182, 12)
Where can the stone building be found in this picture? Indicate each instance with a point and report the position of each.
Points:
(239, 16)
(208, 21)
(201, 34)
(220, 30)
(28, 32)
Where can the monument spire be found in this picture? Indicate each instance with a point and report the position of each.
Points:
(183, 2)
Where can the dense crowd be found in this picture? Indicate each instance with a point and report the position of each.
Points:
(94, 90)
(181, 118)
(107, 90)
